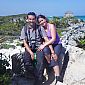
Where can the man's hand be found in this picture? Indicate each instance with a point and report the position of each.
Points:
(32, 55)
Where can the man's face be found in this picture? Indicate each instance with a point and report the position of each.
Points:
(31, 20)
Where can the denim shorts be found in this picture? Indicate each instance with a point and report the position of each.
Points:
(57, 49)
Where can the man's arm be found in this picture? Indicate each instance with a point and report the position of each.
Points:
(28, 49)
(23, 37)
(53, 35)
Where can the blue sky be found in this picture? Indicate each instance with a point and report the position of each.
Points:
(47, 7)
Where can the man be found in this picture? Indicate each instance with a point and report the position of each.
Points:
(32, 35)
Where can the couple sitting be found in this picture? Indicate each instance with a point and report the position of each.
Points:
(44, 40)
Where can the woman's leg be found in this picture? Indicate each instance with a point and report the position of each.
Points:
(46, 51)
(56, 67)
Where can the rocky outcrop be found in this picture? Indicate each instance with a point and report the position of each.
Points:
(72, 34)
(75, 72)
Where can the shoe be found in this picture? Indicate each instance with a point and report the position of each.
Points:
(61, 79)
(44, 79)
(57, 79)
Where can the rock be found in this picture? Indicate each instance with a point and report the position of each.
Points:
(75, 72)
(60, 83)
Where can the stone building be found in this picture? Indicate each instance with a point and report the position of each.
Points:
(68, 14)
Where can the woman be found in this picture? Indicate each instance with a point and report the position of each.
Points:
(56, 44)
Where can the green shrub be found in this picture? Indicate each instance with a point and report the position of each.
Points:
(81, 43)
(7, 46)
(59, 32)
(5, 79)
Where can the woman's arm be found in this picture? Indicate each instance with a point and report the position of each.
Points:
(53, 35)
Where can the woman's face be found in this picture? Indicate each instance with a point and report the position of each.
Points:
(42, 22)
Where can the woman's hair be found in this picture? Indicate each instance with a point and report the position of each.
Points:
(42, 16)
(31, 13)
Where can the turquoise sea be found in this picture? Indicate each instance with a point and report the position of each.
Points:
(79, 17)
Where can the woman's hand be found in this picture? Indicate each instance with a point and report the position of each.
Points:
(41, 47)
(54, 56)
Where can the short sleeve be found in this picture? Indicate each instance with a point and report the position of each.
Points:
(43, 32)
(23, 36)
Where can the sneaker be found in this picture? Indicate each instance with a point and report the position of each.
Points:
(57, 79)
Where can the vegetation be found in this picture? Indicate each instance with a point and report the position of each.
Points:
(5, 79)
(64, 22)
(59, 32)
(11, 25)
(7, 46)
(4, 73)
(81, 42)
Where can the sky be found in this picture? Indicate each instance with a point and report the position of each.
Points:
(46, 7)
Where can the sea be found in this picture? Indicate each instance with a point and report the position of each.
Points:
(79, 17)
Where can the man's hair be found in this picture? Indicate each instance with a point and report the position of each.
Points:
(31, 13)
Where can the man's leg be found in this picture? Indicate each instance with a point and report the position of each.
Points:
(24, 81)
(28, 65)
(39, 67)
